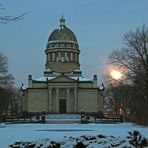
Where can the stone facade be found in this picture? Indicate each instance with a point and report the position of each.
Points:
(62, 89)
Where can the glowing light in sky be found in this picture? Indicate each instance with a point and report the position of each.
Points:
(115, 74)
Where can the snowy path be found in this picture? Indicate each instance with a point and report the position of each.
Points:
(28, 132)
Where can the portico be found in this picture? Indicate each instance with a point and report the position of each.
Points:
(64, 96)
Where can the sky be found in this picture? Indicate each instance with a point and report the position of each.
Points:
(99, 26)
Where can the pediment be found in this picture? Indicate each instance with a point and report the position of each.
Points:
(62, 79)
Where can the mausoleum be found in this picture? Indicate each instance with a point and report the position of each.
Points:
(62, 88)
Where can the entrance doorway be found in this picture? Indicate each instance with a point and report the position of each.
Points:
(62, 106)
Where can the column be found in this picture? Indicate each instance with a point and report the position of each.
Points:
(66, 58)
(75, 57)
(71, 56)
(59, 56)
(68, 101)
(75, 100)
(50, 101)
(53, 56)
(49, 57)
(57, 100)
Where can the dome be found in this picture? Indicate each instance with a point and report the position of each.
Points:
(62, 50)
(63, 33)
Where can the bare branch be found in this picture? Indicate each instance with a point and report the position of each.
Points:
(1, 7)
(7, 19)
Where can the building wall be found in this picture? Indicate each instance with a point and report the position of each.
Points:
(85, 85)
(100, 101)
(37, 100)
(71, 100)
(87, 100)
(53, 101)
(39, 85)
(24, 101)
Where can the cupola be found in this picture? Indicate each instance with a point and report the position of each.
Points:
(62, 50)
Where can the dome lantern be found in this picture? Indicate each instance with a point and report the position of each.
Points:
(63, 33)
(62, 21)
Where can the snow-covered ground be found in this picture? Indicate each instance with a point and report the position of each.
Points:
(30, 132)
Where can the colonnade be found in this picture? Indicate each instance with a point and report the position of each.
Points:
(62, 57)
(54, 99)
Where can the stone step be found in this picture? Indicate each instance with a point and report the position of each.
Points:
(63, 116)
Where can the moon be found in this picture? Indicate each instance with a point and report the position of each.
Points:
(115, 74)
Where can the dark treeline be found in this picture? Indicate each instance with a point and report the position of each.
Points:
(10, 97)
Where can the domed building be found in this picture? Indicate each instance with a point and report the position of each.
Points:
(62, 89)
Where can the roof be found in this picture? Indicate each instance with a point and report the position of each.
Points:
(80, 78)
(63, 33)
(43, 79)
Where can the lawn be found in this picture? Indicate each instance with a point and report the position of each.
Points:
(29, 132)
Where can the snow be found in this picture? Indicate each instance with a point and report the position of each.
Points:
(10, 133)
(80, 78)
(63, 116)
(60, 41)
(50, 78)
(44, 79)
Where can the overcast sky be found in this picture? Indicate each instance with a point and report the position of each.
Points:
(99, 26)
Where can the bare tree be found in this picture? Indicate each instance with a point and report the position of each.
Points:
(120, 98)
(6, 85)
(133, 59)
(6, 79)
